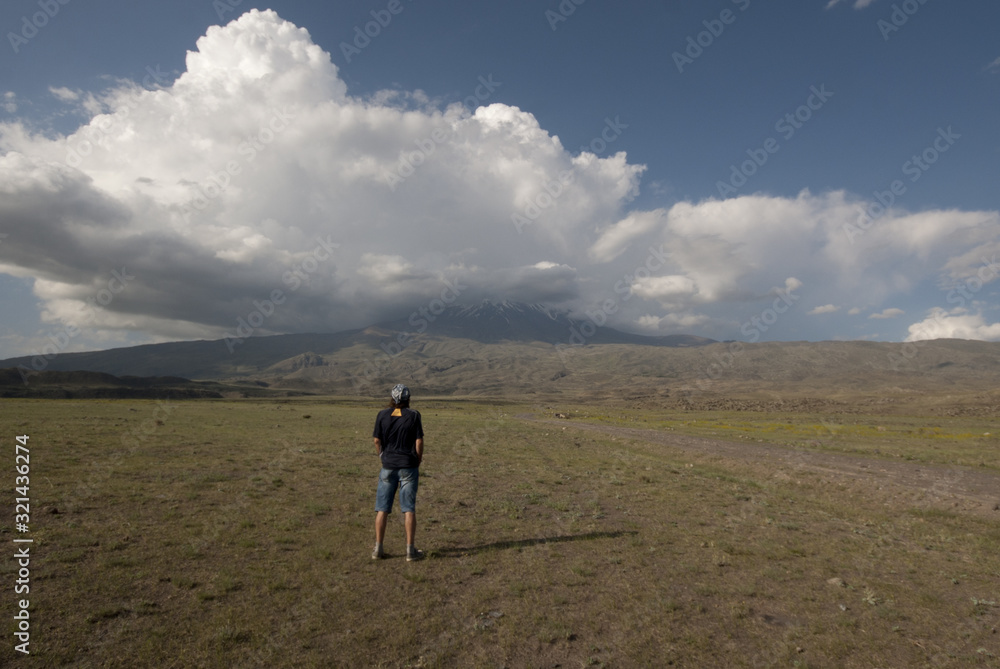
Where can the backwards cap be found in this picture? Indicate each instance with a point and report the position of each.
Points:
(400, 393)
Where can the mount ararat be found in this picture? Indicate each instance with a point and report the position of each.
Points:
(514, 350)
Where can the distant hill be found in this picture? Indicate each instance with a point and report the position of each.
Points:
(190, 359)
(82, 384)
(486, 323)
(521, 351)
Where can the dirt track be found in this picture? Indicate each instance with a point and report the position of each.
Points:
(954, 488)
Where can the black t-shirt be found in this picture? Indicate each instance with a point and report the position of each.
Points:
(398, 435)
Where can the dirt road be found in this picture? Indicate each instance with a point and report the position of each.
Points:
(956, 488)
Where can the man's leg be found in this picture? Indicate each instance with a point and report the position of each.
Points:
(408, 480)
(411, 526)
(381, 519)
(387, 481)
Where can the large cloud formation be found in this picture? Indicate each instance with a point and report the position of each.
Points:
(255, 184)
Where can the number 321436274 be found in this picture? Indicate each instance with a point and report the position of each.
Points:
(21, 466)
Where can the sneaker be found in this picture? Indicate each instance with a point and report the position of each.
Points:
(377, 553)
(415, 555)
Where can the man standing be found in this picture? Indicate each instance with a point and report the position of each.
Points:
(399, 442)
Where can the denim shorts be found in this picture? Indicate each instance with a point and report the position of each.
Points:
(388, 479)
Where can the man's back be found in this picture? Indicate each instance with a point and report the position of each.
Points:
(398, 430)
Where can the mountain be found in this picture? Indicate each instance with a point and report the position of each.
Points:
(493, 322)
(189, 359)
(484, 323)
(510, 350)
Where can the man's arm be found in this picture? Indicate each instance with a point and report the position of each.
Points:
(378, 445)
(420, 449)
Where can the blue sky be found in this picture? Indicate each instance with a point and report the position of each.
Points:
(703, 168)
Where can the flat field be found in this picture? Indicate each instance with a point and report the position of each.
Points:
(237, 533)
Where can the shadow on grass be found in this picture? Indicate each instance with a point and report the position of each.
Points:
(522, 543)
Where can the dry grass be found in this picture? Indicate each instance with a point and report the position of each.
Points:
(942, 440)
(237, 533)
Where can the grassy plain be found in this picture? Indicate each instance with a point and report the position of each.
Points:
(236, 533)
(968, 441)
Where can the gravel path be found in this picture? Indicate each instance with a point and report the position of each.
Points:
(957, 488)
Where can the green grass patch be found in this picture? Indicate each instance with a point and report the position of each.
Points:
(943, 440)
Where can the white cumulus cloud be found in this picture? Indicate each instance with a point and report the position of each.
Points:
(616, 238)
(64, 94)
(666, 288)
(888, 313)
(256, 170)
(940, 324)
(213, 187)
